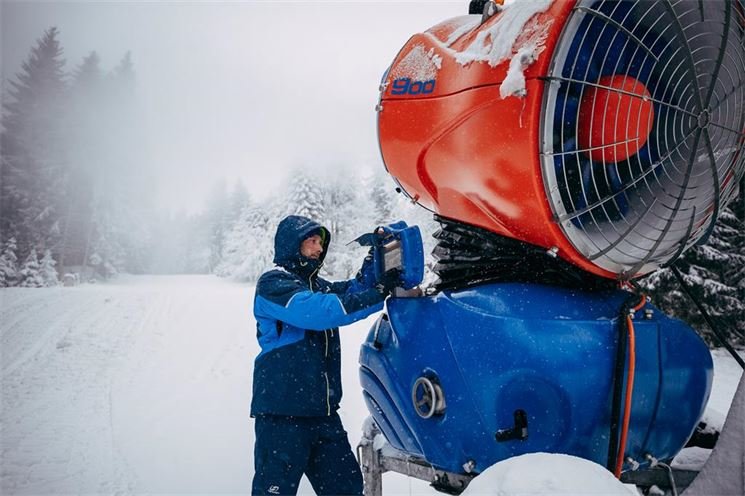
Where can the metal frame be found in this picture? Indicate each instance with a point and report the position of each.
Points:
(375, 462)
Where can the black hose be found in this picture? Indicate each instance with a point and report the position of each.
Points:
(721, 337)
(618, 380)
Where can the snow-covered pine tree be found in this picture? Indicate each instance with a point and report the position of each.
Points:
(344, 212)
(33, 168)
(47, 270)
(87, 76)
(129, 183)
(215, 221)
(30, 276)
(382, 197)
(238, 241)
(9, 264)
(86, 123)
(234, 225)
(238, 201)
(106, 254)
(711, 271)
(124, 75)
(196, 244)
(258, 251)
(734, 272)
(305, 196)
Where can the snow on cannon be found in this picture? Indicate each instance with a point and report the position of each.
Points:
(566, 148)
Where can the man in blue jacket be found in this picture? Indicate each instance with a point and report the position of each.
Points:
(297, 374)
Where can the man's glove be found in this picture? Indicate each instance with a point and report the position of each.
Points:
(389, 281)
(366, 274)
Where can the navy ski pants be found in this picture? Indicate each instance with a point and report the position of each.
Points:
(288, 447)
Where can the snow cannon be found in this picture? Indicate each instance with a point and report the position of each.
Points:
(609, 132)
(565, 147)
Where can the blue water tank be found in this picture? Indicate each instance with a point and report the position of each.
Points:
(442, 375)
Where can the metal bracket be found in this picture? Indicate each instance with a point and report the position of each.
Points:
(519, 431)
(374, 464)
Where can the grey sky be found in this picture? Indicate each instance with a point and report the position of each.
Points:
(238, 89)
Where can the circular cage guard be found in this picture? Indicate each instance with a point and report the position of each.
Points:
(642, 129)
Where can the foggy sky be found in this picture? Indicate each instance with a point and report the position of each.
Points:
(238, 89)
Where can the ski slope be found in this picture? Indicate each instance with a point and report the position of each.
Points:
(143, 385)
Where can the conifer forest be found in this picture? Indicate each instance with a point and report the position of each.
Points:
(77, 200)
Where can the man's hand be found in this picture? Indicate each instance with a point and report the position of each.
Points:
(366, 274)
(389, 281)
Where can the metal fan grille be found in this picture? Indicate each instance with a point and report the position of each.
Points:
(631, 214)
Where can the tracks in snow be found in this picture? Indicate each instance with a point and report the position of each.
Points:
(104, 386)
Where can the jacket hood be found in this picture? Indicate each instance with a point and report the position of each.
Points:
(291, 232)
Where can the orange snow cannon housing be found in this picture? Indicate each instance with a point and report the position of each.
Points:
(457, 147)
(583, 127)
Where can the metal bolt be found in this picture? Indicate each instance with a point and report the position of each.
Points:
(633, 464)
(648, 314)
(469, 466)
(379, 107)
(553, 252)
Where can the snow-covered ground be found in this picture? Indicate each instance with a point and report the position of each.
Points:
(143, 386)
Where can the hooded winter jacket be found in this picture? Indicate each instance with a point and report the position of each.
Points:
(298, 371)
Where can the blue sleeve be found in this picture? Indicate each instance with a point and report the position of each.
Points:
(365, 278)
(288, 300)
(341, 287)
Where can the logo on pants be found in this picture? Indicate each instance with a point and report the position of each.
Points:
(273, 490)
